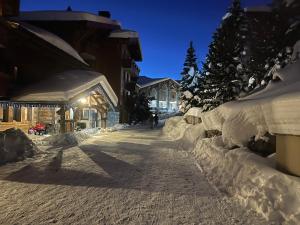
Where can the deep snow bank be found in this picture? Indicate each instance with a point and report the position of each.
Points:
(248, 177)
(252, 179)
(15, 146)
(274, 110)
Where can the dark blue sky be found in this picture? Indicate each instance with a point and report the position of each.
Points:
(165, 26)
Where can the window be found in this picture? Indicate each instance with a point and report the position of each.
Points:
(153, 93)
(173, 96)
(85, 114)
(17, 114)
(163, 92)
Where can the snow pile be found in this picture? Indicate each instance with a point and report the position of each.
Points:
(195, 112)
(252, 179)
(273, 110)
(188, 94)
(15, 146)
(72, 138)
(116, 128)
(175, 127)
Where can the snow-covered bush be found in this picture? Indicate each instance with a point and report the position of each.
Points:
(15, 146)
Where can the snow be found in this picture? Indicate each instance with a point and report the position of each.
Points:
(51, 15)
(188, 94)
(130, 177)
(251, 179)
(15, 146)
(226, 16)
(175, 127)
(273, 110)
(195, 112)
(296, 51)
(67, 139)
(58, 87)
(230, 165)
(53, 40)
(251, 81)
(289, 2)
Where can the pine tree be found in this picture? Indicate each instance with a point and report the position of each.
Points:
(269, 41)
(224, 77)
(189, 79)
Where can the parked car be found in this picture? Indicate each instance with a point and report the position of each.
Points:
(38, 129)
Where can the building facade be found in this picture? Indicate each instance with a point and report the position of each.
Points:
(101, 42)
(163, 92)
(43, 79)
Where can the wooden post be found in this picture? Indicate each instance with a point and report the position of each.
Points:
(62, 113)
(10, 111)
(288, 154)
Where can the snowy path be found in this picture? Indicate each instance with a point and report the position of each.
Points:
(128, 177)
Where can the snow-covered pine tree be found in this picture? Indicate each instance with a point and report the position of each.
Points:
(223, 73)
(286, 31)
(189, 79)
(263, 42)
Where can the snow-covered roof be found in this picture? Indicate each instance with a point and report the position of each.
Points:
(134, 43)
(144, 81)
(124, 34)
(262, 8)
(289, 3)
(53, 40)
(52, 15)
(66, 86)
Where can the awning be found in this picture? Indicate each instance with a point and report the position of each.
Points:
(67, 87)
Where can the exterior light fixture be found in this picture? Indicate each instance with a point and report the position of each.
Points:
(83, 100)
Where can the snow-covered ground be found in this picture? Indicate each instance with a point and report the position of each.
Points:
(231, 166)
(124, 177)
(73, 138)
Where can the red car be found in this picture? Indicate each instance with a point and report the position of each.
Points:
(39, 129)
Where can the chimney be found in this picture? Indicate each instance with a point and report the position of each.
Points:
(69, 9)
(9, 8)
(104, 14)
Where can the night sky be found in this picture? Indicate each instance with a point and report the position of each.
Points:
(165, 26)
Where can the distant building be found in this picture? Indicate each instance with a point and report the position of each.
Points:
(164, 92)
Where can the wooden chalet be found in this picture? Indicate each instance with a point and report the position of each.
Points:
(44, 79)
(164, 92)
(101, 42)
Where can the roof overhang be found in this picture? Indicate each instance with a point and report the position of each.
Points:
(134, 44)
(52, 39)
(53, 15)
(67, 87)
(157, 82)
